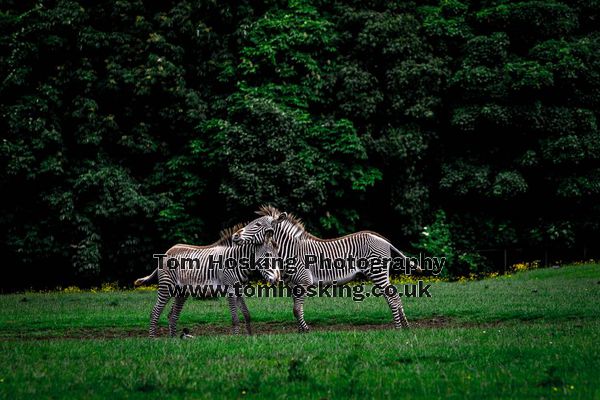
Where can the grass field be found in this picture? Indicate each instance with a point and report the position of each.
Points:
(534, 334)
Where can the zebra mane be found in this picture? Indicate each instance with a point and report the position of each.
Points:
(226, 234)
(224, 240)
(270, 211)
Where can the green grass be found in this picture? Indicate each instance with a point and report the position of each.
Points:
(535, 334)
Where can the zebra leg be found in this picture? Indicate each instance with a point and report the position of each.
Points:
(299, 312)
(395, 304)
(161, 302)
(235, 319)
(242, 305)
(174, 314)
(383, 282)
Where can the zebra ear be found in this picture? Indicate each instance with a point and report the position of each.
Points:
(281, 217)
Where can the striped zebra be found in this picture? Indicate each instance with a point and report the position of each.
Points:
(197, 274)
(295, 242)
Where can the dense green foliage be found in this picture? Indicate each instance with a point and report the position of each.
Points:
(129, 126)
(538, 342)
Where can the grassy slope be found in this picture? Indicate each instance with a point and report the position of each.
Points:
(535, 334)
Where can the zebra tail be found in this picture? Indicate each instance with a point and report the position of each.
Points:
(419, 269)
(146, 279)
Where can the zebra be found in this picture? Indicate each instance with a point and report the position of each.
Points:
(295, 242)
(209, 280)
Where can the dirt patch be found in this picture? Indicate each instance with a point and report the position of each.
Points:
(268, 328)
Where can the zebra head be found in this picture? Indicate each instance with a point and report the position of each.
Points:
(258, 230)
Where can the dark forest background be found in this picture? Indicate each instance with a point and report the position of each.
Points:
(464, 129)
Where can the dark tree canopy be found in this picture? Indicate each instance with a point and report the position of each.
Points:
(128, 126)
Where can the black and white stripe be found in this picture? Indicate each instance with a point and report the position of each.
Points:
(208, 277)
(294, 241)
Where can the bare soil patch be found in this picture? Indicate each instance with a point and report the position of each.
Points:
(262, 328)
